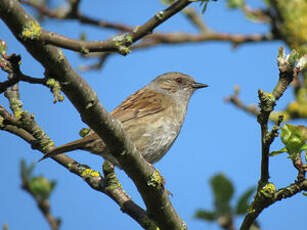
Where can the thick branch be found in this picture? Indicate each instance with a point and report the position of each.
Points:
(92, 113)
(25, 129)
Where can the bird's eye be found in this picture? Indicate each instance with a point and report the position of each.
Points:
(178, 80)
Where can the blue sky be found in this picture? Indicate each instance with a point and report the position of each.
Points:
(215, 138)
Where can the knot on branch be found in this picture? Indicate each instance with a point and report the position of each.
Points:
(31, 30)
(267, 191)
(122, 42)
(267, 101)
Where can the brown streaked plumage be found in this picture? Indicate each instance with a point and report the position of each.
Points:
(152, 117)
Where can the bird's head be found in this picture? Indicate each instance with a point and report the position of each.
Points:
(179, 85)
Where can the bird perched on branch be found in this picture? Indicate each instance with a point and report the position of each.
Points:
(152, 117)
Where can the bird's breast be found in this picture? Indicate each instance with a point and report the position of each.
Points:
(153, 135)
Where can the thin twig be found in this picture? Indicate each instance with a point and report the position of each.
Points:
(44, 206)
(101, 61)
(196, 19)
(261, 15)
(151, 40)
(235, 100)
(181, 37)
(11, 64)
(156, 39)
(74, 14)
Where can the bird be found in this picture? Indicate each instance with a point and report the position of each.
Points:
(152, 118)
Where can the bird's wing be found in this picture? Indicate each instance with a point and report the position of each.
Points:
(140, 104)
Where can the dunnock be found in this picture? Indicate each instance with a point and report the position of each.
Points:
(152, 118)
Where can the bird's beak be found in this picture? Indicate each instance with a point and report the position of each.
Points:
(197, 85)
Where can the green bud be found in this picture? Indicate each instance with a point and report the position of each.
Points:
(293, 138)
(83, 132)
(41, 187)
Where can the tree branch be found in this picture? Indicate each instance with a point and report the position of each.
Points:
(196, 19)
(44, 206)
(73, 13)
(93, 114)
(282, 193)
(289, 66)
(267, 104)
(11, 64)
(181, 37)
(294, 110)
(27, 129)
(235, 100)
(156, 39)
(101, 61)
(118, 44)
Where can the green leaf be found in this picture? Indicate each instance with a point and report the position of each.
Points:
(303, 130)
(26, 171)
(304, 193)
(83, 36)
(274, 153)
(206, 215)
(204, 3)
(83, 132)
(268, 2)
(41, 187)
(243, 202)
(167, 2)
(233, 4)
(252, 17)
(23, 170)
(223, 191)
(293, 138)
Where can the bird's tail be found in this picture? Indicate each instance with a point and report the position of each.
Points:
(71, 146)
